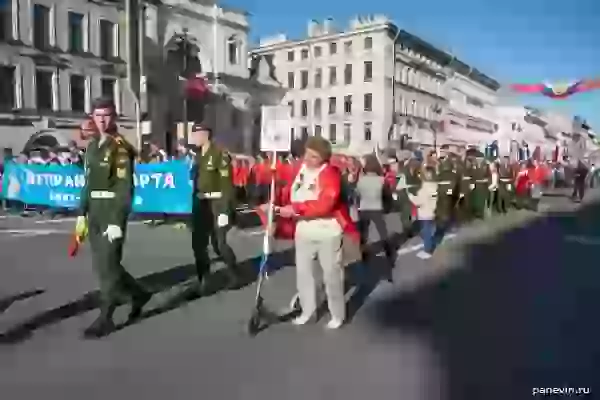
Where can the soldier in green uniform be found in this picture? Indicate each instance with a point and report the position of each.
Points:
(446, 198)
(466, 187)
(213, 207)
(105, 207)
(480, 185)
(506, 187)
(409, 181)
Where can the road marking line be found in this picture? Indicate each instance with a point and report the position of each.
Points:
(584, 240)
(411, 249)
(253, 232)
(25, 233)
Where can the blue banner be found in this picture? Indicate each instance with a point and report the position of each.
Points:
(159, 188)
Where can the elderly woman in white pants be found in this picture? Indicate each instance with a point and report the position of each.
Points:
(321, 218)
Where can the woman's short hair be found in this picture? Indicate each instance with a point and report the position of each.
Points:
(372, 165)
(319, 145)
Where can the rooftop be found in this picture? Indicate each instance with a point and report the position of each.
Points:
(328, 30)
(448, 60)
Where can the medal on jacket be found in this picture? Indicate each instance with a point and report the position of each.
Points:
(106, 156)
(209, 163)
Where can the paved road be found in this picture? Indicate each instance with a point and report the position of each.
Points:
(476, 322)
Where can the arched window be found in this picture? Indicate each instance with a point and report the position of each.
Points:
(234, 50)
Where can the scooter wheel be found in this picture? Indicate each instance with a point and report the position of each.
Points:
(253, 325)
(295, 304)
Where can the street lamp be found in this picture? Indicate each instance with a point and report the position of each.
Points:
(394, 64)
(435, 125)
(183, 46)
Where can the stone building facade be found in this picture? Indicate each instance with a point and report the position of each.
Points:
(57, 56)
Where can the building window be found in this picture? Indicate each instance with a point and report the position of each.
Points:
(368, 102)
(347, 132)
(108, 88)
(303, 79)
(318, 130)
(304, 131)
(368, 133)
(233, 50)
(41, 27)
(43, 90)
(317, 107)
(404, 75)
(107, 39)
(348, 47)
(292, 132)
(348, 104)
(290, 56)
(75, 33)
(291, 106)
(368, 43)
(77, 93)
(304, 54)
(236, 118)
(290, 82)
(368, 71)
(332, 76)
(318, 51)
(333, 48)
(413, 109)
(5, 21)
(318, 78)
(304, 108)
(332, 133)
(7, 87)
(332, 105)
(474, 102)
(348, 74)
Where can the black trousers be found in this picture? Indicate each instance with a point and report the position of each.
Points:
(377, 217)
(205, 231)
(578, 189)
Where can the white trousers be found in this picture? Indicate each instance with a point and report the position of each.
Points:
(328, 253)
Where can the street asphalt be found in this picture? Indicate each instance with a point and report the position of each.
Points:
(505, 306)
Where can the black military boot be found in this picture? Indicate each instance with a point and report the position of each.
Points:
(137, 304)
(102, 326)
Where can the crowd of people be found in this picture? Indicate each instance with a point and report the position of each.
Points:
(321, 199)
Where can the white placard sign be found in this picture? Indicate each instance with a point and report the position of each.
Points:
(275, 132)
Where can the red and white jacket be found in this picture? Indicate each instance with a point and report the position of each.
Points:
(329, 204)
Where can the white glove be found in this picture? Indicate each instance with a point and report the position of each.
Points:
(509, 187)
(222, 220)
(395, 196)
(472, 186)
(113, 232)
(449, 191)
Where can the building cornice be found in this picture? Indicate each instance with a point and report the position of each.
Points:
(186, 12)
(289, 44)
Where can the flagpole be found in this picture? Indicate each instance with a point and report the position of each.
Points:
(184, 112)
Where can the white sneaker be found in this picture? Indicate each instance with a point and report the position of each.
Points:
(334, 323)
(423, 255)
(301, 320)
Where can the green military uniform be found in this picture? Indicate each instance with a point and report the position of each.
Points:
(213, 210)
(506, 188)
(466, 186)
(409, 182)
(480, 182)
(106, 200)
(447, 178)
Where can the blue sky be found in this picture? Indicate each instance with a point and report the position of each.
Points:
(510, 40)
